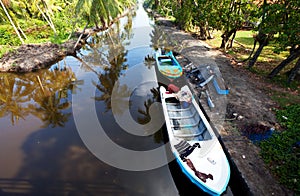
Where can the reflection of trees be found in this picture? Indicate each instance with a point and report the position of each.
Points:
(149, 62)
(121, 95)
(50, 110)
(52, 96)
(160, 39)
(145, 115)
(14, 92)
(47, 88)
(107, 52)
(145, 111)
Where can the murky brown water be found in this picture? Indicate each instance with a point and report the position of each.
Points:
(42, 151)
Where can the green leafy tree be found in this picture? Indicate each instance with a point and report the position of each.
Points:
(231, 17)
(183, 13)
(101, 11)
(204, 14)
(271, 15)
(289, 37)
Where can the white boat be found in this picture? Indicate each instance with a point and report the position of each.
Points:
(194, 143)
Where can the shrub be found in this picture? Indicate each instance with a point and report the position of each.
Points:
(282, 151)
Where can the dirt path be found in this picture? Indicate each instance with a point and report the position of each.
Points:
(247, 98)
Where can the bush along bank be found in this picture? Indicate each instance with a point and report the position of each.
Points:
(282, 150)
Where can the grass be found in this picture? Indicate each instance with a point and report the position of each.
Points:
(266, 62)
(279, 151)
(244, 45)
(36, 31)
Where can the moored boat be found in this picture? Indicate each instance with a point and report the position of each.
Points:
(168, 65)
(193, 142)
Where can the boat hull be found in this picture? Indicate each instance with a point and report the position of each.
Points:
(168, 65)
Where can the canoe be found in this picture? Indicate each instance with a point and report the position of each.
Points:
(168, 65)
(193, 142)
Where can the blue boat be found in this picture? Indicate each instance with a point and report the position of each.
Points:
(168, 65)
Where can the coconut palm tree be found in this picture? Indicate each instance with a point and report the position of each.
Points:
(101, 11)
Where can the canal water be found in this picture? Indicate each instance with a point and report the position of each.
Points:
(90, 125)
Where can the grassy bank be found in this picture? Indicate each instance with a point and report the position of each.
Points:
(34, 31)
(281, 151)
(242, 48)
(266, 62)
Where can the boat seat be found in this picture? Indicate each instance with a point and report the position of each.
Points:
(165, 60)
(184, 149)
(193, 131)
(185, 125)
(177, 107)
(185, 121)
(183, 117)
(187, 135)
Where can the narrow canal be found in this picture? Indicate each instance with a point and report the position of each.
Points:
(92, 125)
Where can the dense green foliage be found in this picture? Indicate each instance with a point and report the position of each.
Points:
(271, 21)
(282, 151)
(36, 21)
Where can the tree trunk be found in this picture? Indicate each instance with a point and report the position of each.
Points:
(156, 4)
(203, 33)
(224, 40)
(232, 39)
(250, 55)
(294, 71)
(263, 41)
(225, 37)
(47, 19)
(79, 38)
(293, 55)
(253, 60)
(208, 32)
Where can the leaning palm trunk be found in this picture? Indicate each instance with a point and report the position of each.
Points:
(12, 23)
(48, 19)
(19, 28)
(294, 71)
(47, 13)
(81, 35)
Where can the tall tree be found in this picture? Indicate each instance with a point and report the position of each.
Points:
(289, 37)
(204, 14)
(232, 15)
(183, 13)
(101, 11)
(265, 29)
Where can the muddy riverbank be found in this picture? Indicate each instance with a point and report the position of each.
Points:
(32, 57)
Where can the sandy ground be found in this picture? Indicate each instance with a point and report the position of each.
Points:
(246, 106)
